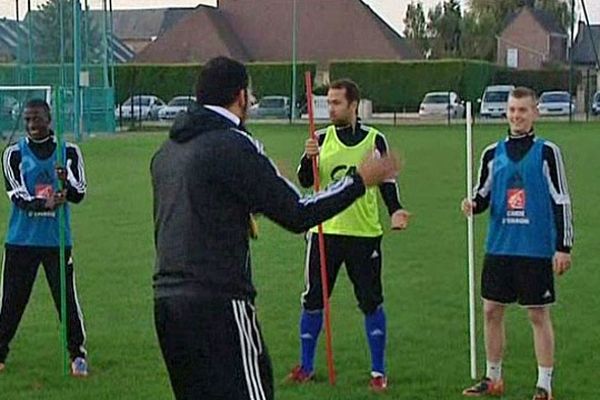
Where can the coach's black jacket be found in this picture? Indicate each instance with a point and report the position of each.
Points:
(207, 179)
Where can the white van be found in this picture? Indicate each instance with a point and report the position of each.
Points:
(495, 100)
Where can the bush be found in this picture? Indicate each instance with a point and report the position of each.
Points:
(399, 85)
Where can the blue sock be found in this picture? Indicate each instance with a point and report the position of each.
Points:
(310, 326)
(375, 326)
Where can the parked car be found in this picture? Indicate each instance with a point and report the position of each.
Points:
(140, 107)
(273, 107)
(556, 103)
(440, 104)
(175, 106)
(495, 101)
(596, 104)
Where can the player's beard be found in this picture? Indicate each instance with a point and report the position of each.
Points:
(245, 107)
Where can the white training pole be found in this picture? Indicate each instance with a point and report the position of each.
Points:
(470, 246)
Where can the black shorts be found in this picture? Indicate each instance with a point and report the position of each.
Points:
(526, 280)
(362, 257)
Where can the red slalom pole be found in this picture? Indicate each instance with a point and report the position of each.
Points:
(324, 279)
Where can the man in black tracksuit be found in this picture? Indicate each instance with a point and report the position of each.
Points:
(208, 178)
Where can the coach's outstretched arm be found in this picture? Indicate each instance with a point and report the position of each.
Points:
(250, 174)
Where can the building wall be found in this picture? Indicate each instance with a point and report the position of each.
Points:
(529, 38)
(558, 48)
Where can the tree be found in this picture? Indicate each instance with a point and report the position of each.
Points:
(46, 38)
(415, 27)
(444, 29)
(476, 42)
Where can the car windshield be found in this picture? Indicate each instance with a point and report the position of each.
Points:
(555, 98)
(597, 97)
(181, 102)
(138, 101)
(436, 99)
(271, 103)
(496, 97)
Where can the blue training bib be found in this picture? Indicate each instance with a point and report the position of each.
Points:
(37, 228)
(521, 216)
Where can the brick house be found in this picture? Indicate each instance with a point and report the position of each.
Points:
(532, 39)
(261, 30)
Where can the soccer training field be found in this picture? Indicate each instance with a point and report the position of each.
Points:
(424, 276)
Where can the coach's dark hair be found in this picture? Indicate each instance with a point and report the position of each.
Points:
(523, 92)
(352, 91)
(39, 103)
(220, 81)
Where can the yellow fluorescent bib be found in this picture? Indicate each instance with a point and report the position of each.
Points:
(337, 160)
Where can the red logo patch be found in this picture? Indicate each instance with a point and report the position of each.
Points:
(44, 191)
(515, 199)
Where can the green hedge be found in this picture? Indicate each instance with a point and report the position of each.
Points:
(45, 74)
(539, 81)
(165, 81)
(391, 85)
(399, 85)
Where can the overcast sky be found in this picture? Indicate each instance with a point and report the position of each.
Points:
(390, 10)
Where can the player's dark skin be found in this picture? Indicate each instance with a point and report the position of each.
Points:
(37, 123)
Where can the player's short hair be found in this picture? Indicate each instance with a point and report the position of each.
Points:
(39, 103)
(352, 90)
(523, 92)
(220, 81)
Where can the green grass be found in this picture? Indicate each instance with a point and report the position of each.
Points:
(424, 278)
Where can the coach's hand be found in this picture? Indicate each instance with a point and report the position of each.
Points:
(561, 262)
(311, 148)
(400, 220)
(467, 206)
(376, 169)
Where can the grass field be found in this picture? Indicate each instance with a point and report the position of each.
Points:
(424, 277)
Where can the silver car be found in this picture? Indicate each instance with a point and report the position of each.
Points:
(556, 103)
(441, 104)
(140, 107)
(175, 106)
(279, 107)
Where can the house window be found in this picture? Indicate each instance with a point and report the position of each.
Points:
(512, 58)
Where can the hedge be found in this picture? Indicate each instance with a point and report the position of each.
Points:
(165, 81)
(391, 85)
(399, 85)
(540, 81)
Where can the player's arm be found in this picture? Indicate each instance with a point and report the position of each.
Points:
(554, 170)
(480, 201)
(305, 169)
(253, 177)
(390, 192)
(74, 174)
(14, 183)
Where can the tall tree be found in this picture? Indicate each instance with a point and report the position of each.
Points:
(415, 27)
(45, 33)
(444, 28)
